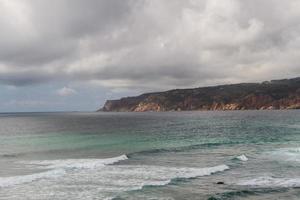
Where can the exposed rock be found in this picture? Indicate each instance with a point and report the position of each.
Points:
(269, 95)
(143, 107)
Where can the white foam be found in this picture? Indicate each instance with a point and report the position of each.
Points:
(272, 182)
(134, 177)
(195, 172)
(95, 178)
(58, 168)
(16, 180)
(293, 150)
(242, 158)
(77, 163)
(286, 154)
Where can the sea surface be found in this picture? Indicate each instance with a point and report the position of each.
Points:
(165, 156)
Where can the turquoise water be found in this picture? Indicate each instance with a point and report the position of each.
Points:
(172, 155)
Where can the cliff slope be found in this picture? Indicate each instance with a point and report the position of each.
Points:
(276, 94)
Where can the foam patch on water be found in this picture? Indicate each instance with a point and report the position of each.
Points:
(58, 168)
(15, 180)
(287, 154)
(242, 158)
(77, 163)
(272, 182)
(135, 177)
(104, 182)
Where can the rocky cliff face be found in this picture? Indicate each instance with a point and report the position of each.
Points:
(277, 94)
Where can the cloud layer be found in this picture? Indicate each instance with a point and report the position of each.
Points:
(148, 43)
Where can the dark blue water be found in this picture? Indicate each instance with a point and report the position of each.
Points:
(172, 155)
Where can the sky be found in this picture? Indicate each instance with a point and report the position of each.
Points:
(72, 55)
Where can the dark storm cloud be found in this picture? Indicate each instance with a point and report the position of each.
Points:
(151, 43)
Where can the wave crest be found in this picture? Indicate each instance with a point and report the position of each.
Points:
(103, 178)
(242, 158)
(16, 180)
(58, 168)
(77, 163)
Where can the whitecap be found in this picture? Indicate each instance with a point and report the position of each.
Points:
(96, 178)
(286, 154)
(58, 168)
(77, 163)
(271, 182)
(16, 180)
(242, 158)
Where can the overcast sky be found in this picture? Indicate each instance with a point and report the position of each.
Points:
(75, 54)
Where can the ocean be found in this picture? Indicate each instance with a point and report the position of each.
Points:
(165, 156)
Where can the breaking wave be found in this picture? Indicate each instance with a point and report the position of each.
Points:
(242, 158)
(77, 163)
(95, 177)
(58, 168)
(16, 180)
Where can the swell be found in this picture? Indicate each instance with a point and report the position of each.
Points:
(181, 148)
(13, 155)
(101, 173)
(77, 163)
(270, 182)
(16, 180)
(57, 168)
(245, 193)
(258, 187)
(171, 175)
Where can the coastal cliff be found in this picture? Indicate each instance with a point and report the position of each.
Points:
(268, 95)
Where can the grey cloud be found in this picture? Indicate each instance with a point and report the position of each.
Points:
(78, 18)
(151, 43)
(39, 32)
(30, 77)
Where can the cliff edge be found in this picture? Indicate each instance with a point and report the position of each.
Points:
(275, 94)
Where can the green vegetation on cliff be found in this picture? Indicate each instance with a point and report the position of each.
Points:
(276, 94)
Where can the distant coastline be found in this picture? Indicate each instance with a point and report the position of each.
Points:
(268, 95)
